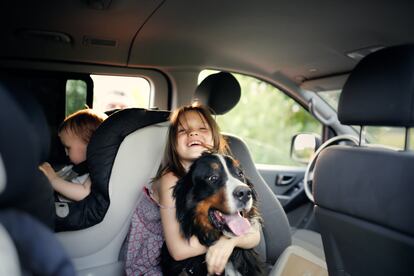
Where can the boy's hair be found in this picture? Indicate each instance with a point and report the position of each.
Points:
(82, 123)
(171, 162)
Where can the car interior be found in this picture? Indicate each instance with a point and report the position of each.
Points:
(313, 98)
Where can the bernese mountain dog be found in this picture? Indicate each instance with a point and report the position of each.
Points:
(215, 198)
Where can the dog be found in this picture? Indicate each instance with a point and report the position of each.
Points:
(215, 198)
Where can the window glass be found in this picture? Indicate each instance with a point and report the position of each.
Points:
(75, 96)
(331, 97)
(266, 119)
(387, 136)
(118, 92)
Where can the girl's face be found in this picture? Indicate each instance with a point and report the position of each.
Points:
(75, 147)
(194, 136)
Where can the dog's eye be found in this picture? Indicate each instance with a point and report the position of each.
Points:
(240, 174)
(213, 178)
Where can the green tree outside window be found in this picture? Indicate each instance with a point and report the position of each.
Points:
(266, 119)
(75, 96)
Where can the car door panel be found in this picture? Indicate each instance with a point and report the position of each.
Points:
(287, 184)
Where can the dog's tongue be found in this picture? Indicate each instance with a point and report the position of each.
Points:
(237, 224)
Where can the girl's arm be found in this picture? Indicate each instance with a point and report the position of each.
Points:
(179, 247)
(68, 189)
(219, 253)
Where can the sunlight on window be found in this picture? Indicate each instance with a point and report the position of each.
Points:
(118, 92)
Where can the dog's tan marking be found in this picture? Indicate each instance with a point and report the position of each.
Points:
(215, 166)
(201, 217)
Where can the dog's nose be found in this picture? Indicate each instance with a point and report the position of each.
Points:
(242, 194)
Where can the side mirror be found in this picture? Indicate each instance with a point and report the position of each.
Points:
(303, 146)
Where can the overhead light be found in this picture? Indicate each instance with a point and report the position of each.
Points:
(361, 53)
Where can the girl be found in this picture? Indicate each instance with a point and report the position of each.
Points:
(192, 131)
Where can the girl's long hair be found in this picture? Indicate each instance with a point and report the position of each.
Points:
(171, 161)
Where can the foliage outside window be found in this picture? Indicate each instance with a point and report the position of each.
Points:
(75, 96)
(389, 136)
(266, 119)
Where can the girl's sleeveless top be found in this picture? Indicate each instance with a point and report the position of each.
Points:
(142, 247)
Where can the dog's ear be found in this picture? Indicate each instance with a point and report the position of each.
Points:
(183, 204)
(254, 212)
(251, 186)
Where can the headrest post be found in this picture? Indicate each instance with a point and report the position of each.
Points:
(407, 139)
(361, 135)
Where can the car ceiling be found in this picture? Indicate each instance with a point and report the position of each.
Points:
(299, 40)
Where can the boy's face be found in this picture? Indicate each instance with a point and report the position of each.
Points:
(75, 147)
(194, 136)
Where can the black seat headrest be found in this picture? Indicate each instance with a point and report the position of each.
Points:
(37, 120)
(18, 151)
(380, 90)
(220, 91)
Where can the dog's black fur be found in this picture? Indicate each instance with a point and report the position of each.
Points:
(209, 185)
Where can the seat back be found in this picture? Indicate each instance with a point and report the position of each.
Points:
(364, 194)
(123, 156)
(28, 246)
(275, 229)
(221, 92)
(12, 175)
(37, 140)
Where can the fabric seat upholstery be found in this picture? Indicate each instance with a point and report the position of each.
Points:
(23, 231)
(40, 206)
(364, 194)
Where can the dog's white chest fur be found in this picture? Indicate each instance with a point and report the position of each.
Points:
(230, 270)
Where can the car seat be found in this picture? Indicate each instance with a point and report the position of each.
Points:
(363, 194)
(40, 206)
(34, 250)
(123, 155)
(221, 92)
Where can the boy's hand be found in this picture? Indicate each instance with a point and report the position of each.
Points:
(47, 169)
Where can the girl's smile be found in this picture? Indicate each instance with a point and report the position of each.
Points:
(193, 137)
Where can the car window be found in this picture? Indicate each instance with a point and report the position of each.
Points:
(266, 119)
(76, 92)
(331, 97)
(388, 136)
(109, 93)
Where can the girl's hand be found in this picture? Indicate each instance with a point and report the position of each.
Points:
(47, 169)
(218, 255)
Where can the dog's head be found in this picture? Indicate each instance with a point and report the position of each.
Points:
(215, 198)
